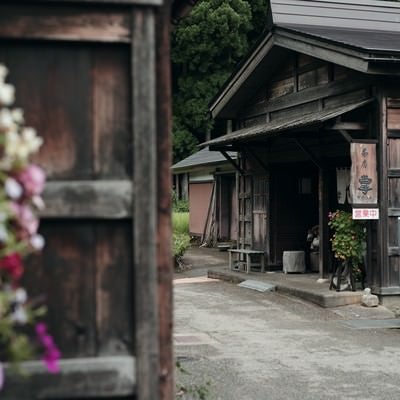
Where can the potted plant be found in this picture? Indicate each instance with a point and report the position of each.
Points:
(348, 240)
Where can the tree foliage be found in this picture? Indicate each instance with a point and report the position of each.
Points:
(205, 49)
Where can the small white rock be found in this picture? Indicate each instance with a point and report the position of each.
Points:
(368, 299)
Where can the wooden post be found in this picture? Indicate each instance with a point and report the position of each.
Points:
(145, 183)
(164, 255)
(323, 224)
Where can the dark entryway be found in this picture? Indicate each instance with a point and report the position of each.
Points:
(294, 207)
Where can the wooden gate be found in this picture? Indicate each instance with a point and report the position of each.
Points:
(84, 73)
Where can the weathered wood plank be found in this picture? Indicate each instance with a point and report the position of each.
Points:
(79, 378)
(145, 221)
(114, 287)
(305, 96)
(88, 199)
(393, 118)
(133, 2)
(55, 22)
(55, 78)
(112, 139)
(64, 272)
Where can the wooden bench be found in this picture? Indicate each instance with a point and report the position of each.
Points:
(249, 262)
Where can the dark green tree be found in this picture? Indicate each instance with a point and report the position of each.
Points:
(206, 47)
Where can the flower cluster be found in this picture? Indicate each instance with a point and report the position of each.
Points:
(348, 237)
(21, 185)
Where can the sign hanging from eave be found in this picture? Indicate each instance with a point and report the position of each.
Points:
(363, 176)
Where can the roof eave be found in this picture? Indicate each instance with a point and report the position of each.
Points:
(358, 59)
(237, 80)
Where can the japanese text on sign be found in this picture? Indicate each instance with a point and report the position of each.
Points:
(365, 213)
(363, 178)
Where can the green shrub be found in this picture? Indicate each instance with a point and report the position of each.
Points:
(180, 222)
(179, 205)
(180, 243)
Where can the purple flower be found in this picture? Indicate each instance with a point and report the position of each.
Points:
(51, 353)
(1, 376)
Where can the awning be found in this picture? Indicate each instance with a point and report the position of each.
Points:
(265, 130)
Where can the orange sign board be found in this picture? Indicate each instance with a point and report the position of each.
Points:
(363, 177)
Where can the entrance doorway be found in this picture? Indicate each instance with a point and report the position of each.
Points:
(294, 207)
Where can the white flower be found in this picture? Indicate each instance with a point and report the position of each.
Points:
(18, 115)
(19, 315)
(6, 119)
(21, 296)
(32, 141)
(13, 189)
(37, 242)
(7, 94)
(3, 72)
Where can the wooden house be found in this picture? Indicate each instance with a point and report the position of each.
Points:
(322, 84)
(93, 78)
(208, 181)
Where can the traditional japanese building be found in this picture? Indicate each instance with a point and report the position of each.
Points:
(319, 95)
(208, 181)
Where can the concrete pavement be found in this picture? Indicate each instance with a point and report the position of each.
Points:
(268, 346)
(304, 286)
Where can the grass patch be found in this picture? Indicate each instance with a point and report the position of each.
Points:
(180, 222)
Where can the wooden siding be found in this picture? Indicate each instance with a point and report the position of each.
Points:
(303, 85)
(391, 267)
(77, 97)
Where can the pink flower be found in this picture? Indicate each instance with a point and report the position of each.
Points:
(26, 220)
(12, 264)
(32, 179)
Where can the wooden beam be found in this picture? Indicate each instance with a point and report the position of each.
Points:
(144, 114)
(309, 153)
(316, 48)
(307, 95)
(349, 126)
(232, 161)
(64, 23)
(88, 199)
(94, 377)
(258, 159)
(344, 133)
(130, 2)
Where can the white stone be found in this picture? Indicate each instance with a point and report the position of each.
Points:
(368, 299)
(294, 261)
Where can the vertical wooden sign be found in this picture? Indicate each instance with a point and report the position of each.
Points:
(364, 177)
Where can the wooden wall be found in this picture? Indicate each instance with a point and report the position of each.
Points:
(387, 281)
(304, 85)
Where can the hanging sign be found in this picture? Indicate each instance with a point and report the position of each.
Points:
(363, 176)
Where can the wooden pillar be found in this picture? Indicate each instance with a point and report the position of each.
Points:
(323, 223)
(145, 217)
(164, 255)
